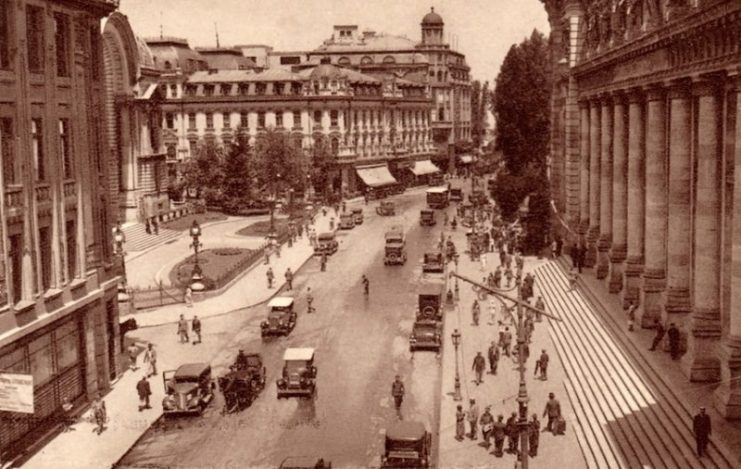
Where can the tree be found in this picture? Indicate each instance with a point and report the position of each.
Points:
(203, 174)
(277, 161)
(322, 162)
(235, 185)
(479, 100)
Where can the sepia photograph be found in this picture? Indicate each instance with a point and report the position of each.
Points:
(316, 234)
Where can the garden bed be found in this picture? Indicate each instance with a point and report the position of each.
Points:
(262, 228)
(184, 223)
(218, 266)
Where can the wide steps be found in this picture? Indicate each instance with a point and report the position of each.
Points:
(137, 238)
(624, 421)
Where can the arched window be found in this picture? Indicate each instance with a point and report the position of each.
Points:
(343, 61)
(389, 60)
(366, 60)
(439, 75)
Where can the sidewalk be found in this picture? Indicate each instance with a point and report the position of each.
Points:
(499, 392)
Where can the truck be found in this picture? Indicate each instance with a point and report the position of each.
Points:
(395, 246)
(437, 197)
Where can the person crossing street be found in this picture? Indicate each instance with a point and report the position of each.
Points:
(289, 279)
(270, 276)
(479, 366)
(397, 392)
(493, 357)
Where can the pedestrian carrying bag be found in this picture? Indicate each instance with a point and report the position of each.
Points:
(560, 426)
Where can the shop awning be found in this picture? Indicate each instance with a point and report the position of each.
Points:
(466, 159)
(423, 167)
(375, 176)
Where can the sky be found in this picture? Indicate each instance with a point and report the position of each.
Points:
(483, 30)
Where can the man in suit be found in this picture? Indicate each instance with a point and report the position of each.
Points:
(701, 427)
(144, 391)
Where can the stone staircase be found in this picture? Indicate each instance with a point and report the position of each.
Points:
(627, 417)
(138, 240)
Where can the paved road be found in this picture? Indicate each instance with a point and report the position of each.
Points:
(360, 345)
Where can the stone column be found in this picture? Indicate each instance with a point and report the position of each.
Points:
(728, 394)
(584, 169)
(701, 363)
(654, 274)
(680, 212)
(619, 249)
(636, 197)
(594, 183)
(605, 228)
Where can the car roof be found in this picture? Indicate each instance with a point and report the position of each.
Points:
(280, 302)
(306, 353)
(191, 370)
(308, 462)
(430, 288)
(387, 202)
(405, 430)
(437, 190)
(357, 210)
(346, 214)
(326, 234)
(426, 210)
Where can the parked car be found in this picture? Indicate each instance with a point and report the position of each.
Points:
(427, 218)
(407, 444)
(281, 317)
(326, 243)
(299, 374)
(189, 389)
(435, 179)
(430, 300)
(305, 462)
(426, 335)
(433, 262)
(395, 247)
(386, 208)
(347, 221)
(357, 214)
(437, 197)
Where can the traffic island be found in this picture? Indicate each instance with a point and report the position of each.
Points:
(218, 267)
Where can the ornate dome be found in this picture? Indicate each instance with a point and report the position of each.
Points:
(146, 59)
(432, 18)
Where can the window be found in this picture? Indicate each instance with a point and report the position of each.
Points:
(5, 38)
(71, 249)
(208, 90)
(335, 144)
(279, 119)
(290, 60)
(191, 120)
(226, 90)
(7, 150)
(209, 120)
(193, 148)
(168, 65)
(366, 60)
(226, 120)
(62, 43)
(16, 266)
(297, 118)
(191, 90)
(173, 91)
(37, 149)
(35, 38)
(261, 119)
(243, 121)
(296, 88)
(318, 118)
(278, 88)
(343, 61)
(333, 118)
(260, 88)
(169, 120)
(389, 60)
(65, 148)
(45, 257)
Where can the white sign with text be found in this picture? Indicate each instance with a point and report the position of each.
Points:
(16, 393)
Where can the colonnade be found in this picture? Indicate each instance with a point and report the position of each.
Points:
(660, 212)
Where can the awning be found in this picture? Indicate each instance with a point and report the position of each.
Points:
(423, 167)
(466, 159)
(375, 176)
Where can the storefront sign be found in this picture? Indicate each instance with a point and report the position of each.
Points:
(16, 393)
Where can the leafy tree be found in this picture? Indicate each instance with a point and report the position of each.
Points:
(203, 172)
(479, 101)
(322, 161)
(278, 162)
(235, 185)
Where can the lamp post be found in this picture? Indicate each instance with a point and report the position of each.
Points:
(456, 336)
(120, 238)
(273, 201)
(197, 276)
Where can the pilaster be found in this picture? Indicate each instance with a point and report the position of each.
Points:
(594, 183)
(605, 238)
(584, 168)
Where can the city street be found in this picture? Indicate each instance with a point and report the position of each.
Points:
(360, 345)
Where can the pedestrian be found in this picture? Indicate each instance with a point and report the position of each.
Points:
(552, 411)
(475, 312)
(155, 226)
(534, 435)
(529, 328)
(673, 334)
(499, 431)
(498, 277)
(270, 276)
(544, 359)
(508, 275)
(150, 357)
(660, 331)
(289, 279)
(487, 425)
(479, 366)
(366, 285)
(144, 391)
(323, 262)
(539, 306)
(506, 341)
(572, 280)
(553, 249)
(632, 316)
(460, 423)
(196, 327)
(518, 461)
(493, 357)
(397, 392)
(99, 414)
(309, 301)
(183, 330)
(266, 251)
(473, 418)
(147, 227)
(702, 428)
(513, 433)
(133, 352)
(188, 297)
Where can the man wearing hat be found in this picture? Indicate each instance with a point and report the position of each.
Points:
(473, 418)
(499, 431)
(701, 427)
(552, 410)
(397, 392)
(487, 425)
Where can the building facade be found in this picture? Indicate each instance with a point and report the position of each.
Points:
(58, 309)
(646, 154)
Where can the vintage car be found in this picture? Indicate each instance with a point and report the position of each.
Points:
(408, 444)
(429, 300)
(427, 218)
(386, 208)
(244, 381)
(281, 317)
(357, 214)
(189, 389)
(456, 194)
(395, 248)
(426, 335)
(478, 197)
(467, 212)
(326, 243)
(433, 262)
(305, 462)
(450, 251)
(347, 221)
(437, 197)
(299, 374)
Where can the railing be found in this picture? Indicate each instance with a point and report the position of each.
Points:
(159, 295)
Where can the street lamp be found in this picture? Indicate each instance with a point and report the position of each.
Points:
(273, 201)
(456, 336)
(120, 238)
(197, 275)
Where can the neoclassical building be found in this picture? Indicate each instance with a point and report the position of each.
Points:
(646, 159)
(58, 307)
